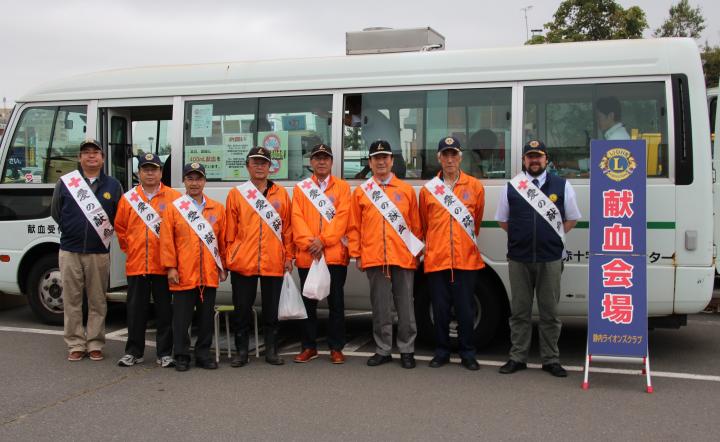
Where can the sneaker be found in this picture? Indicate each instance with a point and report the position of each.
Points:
(75, 356)
(166, 362)
(129, 360)
(96, 355)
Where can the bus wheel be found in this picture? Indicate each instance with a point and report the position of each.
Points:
(44, 290)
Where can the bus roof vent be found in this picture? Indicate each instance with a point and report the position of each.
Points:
(388, 40)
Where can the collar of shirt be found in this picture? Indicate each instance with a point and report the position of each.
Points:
(149, 195)
(616, 132)
(385, 182)
(199, 206)
(323, 184)
(541, 179)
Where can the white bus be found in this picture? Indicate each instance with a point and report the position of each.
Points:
(493, 100)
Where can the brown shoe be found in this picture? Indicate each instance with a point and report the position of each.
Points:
(307, 355)
(96, 355)
(337, 357)
(75, 356)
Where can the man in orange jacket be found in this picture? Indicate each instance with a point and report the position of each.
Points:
(451, 209)
(137, 225)
(320, 215)
(384, 240)
(192, 244)
(259, 246)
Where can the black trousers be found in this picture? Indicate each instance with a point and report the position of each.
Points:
(458, 293)
(184, 304)
(140, 288)
(244, 290)
(336, 304)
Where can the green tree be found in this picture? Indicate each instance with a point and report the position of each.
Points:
(684, 21)
(711, 65)
(582, 20)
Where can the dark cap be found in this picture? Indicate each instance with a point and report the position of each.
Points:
(320, 148)
(380, 147)
(534, 146)
(259, 152)
(149, 159)
(449, 143)
(193, 167)
(90, 143)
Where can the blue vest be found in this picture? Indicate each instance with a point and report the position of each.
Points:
(530, 237)
(76, 233)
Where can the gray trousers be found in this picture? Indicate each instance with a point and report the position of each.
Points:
(89, 272)
(384, 291)
(529, 280)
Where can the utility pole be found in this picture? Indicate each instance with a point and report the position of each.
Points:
(527, 28)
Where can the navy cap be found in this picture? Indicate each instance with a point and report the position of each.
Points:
(449, 143)
(149, 159)
(380, 147)
(534, 146)
(259, 152)
(90, 143)
(193, 167)
(320, 148)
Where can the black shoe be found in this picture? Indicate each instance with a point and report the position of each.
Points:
(241, 357)
(271, 356)
(182, 363)
(407, 360)
(555, 369)
(512, 366)
(378, 359)
(207, 364)
(438, 362)
(470, 363)
(239, 360)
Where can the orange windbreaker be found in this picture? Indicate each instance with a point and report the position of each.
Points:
(181, 248)
(372, 238)
(447, 246)
(307, 223)
(141, 245)
(252, 247)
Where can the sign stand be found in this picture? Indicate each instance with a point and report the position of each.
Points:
(645, 361)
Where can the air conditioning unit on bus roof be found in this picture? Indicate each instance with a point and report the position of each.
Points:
(387, 40)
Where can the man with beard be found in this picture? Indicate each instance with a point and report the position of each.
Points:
(536, 211)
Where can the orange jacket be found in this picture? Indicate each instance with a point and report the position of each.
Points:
(372, 238)
(252, 247)
(307, 223)
(447, 246)
(141, 245)
(181, 248)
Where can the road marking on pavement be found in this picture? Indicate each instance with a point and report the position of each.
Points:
(356, 343)
(114, 336)
(350, 315)
(117, 333)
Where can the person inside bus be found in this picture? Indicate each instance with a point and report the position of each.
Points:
(483, 148)
(608, 115)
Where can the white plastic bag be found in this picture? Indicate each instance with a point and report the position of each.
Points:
(317, 283)
(291, 305)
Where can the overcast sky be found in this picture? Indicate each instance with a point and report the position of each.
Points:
(44, 40)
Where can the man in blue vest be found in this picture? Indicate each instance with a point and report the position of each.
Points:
(536, 211)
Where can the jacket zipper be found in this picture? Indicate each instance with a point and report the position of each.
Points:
(260, 246)
(147, 251)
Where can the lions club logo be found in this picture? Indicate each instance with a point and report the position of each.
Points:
(618, 164)
(107, 195)
(449, 141)
(149, 157)
(195, 165)
(534, 144)
(553, 197)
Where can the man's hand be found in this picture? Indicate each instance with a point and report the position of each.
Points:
(316, 247)
(223, 275)
(358, 264)
(288, 265)
(173, 276)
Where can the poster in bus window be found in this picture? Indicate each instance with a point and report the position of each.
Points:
(201, 120)
(237, 147)
(211, 157)
(277, 143)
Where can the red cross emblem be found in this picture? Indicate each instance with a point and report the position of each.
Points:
(307, 185)
(523, 184)
(134, 197)
(369, 186)
(252, 194)
(439, 190)
(74, 182)
(185, 205)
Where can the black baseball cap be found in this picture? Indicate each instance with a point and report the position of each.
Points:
(193, 167)
(259, 152)
(380, 147)
(321, 148)
(149, 159)
(91, 143)
(449, 143)
(534, 146)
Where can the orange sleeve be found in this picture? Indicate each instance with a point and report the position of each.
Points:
(423, 208)
(414, 220)
(222, 219)
(287, 232)
(168, 252)
(230, 216)
(354, 232)
(301, 232)
(339, 226)
(121, 223)
(479, 208)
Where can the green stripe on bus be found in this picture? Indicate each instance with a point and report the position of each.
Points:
(655, 225)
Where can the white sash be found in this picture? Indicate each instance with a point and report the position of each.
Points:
(202, 227)
(540, 202)
(262, 207)
(447, 199)
(392, 215)
(318, 198)
(90, 206)
(144, 210)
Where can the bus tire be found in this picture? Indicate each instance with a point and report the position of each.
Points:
(490, 314)
(44, 290)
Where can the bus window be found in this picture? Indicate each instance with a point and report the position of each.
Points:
(567, 117)
(219, 134)
(413, 123)
(45, 144)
